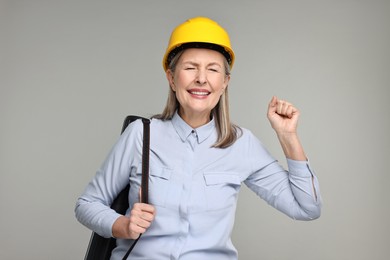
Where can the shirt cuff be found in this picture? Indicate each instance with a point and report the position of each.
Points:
(299, 168)
(109, 222)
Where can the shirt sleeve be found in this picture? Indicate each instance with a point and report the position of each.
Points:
(294, 192)
(93, 206)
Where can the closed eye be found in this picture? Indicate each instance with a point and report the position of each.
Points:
(214, 67)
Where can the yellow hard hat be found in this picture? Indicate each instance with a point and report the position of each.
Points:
(199, 32)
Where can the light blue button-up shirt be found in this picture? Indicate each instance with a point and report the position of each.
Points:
(194, 189)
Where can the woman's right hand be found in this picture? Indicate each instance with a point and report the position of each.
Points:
(140, 219)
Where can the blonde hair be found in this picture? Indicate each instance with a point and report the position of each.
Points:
(227, 132)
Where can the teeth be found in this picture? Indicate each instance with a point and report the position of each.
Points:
(199, 93)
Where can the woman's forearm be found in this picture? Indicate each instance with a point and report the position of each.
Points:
(292, 146)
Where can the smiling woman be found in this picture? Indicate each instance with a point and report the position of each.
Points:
(202, 33)
(199, 160)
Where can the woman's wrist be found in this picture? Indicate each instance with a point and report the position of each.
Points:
(291, 146)
(120, 227)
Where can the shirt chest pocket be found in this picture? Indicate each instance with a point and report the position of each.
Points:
(221, 189)
(158, 184)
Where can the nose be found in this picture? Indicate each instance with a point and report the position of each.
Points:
(201, 77)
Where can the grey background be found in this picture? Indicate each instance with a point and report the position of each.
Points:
(70, 71)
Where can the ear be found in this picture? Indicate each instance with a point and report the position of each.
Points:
(224, 89)
(170, 79)
(226, 83)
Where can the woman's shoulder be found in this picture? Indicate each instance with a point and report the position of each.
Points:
(245, 133)
(252, 146)
(137, 124)
(133, 131)
(157, 122)
(133, 126)
(248, 139)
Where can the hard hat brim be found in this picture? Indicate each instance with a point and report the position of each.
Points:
(228, 54)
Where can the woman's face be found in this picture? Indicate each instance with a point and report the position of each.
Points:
(199, 80)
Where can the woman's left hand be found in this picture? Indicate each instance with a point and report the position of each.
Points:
(283, 116)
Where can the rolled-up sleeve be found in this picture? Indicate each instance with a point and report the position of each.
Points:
(305, 187)
(294, 192)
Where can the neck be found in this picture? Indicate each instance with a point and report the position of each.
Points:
(195, 120)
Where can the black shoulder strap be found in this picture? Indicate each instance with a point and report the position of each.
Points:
(145, 162)
(145, 169)
(145, 154)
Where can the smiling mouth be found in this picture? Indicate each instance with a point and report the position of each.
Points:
(199, 93)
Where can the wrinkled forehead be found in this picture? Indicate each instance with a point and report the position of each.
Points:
(201, 56)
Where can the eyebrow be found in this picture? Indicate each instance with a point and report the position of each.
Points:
(197, 64)
(215, 63)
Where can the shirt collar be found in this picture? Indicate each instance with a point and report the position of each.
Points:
(184, 130)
